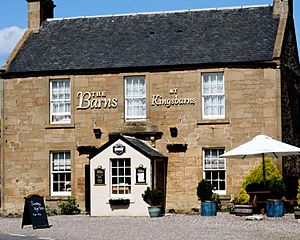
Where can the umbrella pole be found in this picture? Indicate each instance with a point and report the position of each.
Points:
(264, 172)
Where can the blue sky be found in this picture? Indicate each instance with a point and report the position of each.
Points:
(13, 13)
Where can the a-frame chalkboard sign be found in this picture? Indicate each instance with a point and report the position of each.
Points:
(35, 212)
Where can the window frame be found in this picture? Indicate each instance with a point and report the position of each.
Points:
(119, 195)
(220, 192)
(212, 117)
(52, 172)
(51, 100)
(126, 98)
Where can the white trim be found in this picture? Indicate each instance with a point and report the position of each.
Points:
(161, 12)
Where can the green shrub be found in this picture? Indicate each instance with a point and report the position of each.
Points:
(277, 188)
(243, 198)
(274, 181)
(153, 197)
(69, 207)
(255, 177)
(298, 193)
(204, 190)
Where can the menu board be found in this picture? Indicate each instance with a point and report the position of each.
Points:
(35, 212)
(141, 175)
(99, 176)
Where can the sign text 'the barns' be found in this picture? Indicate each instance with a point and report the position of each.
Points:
(95, 100)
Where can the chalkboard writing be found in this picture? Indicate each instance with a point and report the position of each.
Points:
(34, 212)
(99, 176)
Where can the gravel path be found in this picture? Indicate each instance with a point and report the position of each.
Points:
(224, 226)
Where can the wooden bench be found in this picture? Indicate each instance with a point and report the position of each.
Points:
(258, 200)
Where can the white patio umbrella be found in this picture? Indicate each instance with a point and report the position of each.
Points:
(262, 146)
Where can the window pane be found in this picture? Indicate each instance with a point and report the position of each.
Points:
(114, 171)
(55, 187)
(222, 185)
(114, 180)
(127, 171)
(121, 163)
(222, 175)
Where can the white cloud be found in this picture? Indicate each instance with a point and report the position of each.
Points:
(9, 37)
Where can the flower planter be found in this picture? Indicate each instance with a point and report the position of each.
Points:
(243, 210)
(119, 201)
(208, 208)
(297, 213)
(275, 208)
(154, 211)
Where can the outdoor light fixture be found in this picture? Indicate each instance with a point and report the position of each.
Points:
(173, 131)
(97, 132)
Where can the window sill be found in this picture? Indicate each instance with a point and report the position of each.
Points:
(56, 198)
(213, 121)
(54, 126)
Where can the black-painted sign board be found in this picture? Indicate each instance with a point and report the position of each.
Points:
(99, 176)
(35, 212)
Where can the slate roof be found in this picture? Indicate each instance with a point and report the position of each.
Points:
(137, 144)
(185, 38)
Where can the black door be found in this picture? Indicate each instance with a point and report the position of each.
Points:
(87, 189)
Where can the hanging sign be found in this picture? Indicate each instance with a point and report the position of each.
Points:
(141, 174)
(99, 176)
(119, 149)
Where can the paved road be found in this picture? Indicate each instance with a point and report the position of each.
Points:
(173, 227)
(19, 237)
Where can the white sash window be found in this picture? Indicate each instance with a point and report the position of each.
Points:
(60, 173)
(120, 177)
(213, 96)
(60, 101)
(215, 169)
(135, 97)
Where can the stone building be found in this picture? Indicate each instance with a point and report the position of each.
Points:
(102, 107)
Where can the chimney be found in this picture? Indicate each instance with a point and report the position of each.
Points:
(39, 11)
(282, 7)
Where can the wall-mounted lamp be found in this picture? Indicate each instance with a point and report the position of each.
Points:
(97, 132)
(173, 131)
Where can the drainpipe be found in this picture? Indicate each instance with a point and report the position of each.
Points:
(1, 144)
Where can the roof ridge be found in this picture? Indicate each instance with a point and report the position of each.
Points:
(162, 12)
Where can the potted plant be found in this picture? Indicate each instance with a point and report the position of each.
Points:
(205, 194)
(275, 205)
(155, 199)
(242, 206)
(297, 208)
